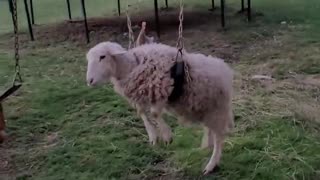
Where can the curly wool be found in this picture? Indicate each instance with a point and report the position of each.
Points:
(150, 82)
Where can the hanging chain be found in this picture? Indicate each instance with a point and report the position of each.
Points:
(180, 44)
(17, 78)
(130, 32)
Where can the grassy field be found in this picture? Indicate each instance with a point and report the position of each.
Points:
(61, 129)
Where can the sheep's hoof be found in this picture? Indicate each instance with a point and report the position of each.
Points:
(167, 138)
(169, 141)
(209, 170)
(153, 140)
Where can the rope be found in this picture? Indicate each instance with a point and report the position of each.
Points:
(17, 77)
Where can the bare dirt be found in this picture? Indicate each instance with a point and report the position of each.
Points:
(202, 31)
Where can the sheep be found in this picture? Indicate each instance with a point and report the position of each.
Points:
(142, 76)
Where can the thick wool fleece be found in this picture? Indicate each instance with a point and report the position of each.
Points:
(209, 92)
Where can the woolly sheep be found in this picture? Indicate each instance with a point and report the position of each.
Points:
(142, 76)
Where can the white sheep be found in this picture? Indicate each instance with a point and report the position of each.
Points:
(142, 76)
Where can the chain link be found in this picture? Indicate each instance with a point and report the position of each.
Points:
(180, 44)
(17, 78)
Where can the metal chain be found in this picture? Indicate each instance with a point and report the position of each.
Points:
(130, 32)
(180, 44)
(17, 78)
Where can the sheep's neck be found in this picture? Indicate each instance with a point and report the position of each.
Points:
(124, 67)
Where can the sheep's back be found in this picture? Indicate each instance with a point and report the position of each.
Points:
(210, 87)
(150, 82)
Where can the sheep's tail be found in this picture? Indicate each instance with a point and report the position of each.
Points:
(141, 38)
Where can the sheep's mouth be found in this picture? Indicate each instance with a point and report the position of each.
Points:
(92, 84)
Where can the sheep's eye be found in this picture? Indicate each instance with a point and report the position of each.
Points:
(101, 57)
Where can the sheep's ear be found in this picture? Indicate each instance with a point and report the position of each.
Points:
(117, 54)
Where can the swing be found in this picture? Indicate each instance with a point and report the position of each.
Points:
(179, 70)
(17, 82)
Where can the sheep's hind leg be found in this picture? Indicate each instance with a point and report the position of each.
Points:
(165, 130)
(150, 128)
(207, 139)
(218, 141)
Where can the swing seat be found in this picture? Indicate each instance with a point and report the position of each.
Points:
(10, 91)
(17, 83)
(6, 94)
(2, 125)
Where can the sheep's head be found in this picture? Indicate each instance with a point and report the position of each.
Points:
(101, 62)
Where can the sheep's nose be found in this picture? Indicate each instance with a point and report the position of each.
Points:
(90, 81)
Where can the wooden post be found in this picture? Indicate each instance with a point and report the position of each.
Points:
(29, 20)
(32, 13)
(223, 24)
(212, 6)
(167, 6)
(69, 9)
(119, 8)
(85, 20)
(249, 10)
(2, 125)
(242, 5)
(156, 14)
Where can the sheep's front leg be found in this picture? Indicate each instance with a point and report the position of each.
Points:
(150, 128)
(165, 130)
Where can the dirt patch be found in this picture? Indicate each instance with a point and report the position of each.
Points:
(7, 166)
(202, 32)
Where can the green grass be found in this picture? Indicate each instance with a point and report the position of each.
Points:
(62, 129)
